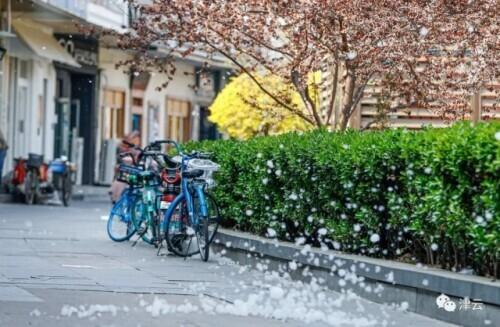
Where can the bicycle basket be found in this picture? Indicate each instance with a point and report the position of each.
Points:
(34, 160)
(129, 174)
(57, 167)
(208, 167)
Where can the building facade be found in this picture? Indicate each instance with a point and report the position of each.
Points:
(62, 95)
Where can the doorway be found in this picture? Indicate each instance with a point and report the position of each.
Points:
(62, 128)
(83, 120)
(208, 130)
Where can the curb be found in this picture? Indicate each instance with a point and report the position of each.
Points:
(78, 197)
(401, 282)
(91, 192)
(6, 198)
(9, 198)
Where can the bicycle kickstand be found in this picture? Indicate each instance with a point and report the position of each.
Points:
(140, 236)
(160, 246)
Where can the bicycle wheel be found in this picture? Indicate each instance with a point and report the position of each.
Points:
(120, 226)
(30, 187)
(142, 219)
(202, 231)
(179, 232)
(203, 238)
(214, 218)
(66, 191)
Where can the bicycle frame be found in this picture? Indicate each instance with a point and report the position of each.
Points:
(148, 195)
(128, 197)
(186, 195)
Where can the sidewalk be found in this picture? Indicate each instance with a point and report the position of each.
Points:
(94, 192)
(59, 268)
(80, 192)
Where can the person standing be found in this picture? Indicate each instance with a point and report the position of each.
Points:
(3, 153)
(134, 138)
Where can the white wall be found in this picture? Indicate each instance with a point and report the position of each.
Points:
(179, 88)
(36, 124)
(111, 78)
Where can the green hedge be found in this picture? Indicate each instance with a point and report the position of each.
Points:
(429, 196)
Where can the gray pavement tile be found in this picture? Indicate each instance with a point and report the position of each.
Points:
(129, 312)
(88, 269)
(16, 294)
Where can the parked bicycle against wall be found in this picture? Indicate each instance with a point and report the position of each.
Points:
(35, 175)
(194, 214)
(61, 172)
(166, 200)
(38, 181)
(136, 208)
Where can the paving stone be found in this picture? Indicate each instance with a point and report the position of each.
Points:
(16, 294)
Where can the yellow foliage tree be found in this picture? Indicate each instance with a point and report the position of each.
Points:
(243, 111)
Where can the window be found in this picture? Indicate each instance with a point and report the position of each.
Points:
(178, 120)
(114, 114)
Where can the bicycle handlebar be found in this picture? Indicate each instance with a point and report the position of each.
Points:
(175, 144)
(152, 150)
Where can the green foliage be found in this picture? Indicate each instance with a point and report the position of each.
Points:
(432, 196)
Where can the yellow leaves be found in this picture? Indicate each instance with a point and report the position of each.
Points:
(243, 110)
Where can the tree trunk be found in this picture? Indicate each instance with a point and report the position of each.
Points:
(347, 101)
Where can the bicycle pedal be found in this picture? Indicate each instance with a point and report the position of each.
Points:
(136, 241)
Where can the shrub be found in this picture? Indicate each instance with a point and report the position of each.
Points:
(430, 196)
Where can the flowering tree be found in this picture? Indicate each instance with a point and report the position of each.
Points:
(243, 111)
(431, 54)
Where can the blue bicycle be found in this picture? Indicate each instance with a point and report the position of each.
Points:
(121, 224)
(120, 227)
(190, 222)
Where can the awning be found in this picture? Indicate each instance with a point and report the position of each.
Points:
(43, 44)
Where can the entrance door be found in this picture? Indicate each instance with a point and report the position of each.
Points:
(208, 130)
(84, 124)
(74, 125)
(62, 128)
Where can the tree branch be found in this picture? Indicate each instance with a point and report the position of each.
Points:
(261, 87)
(305, 98)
